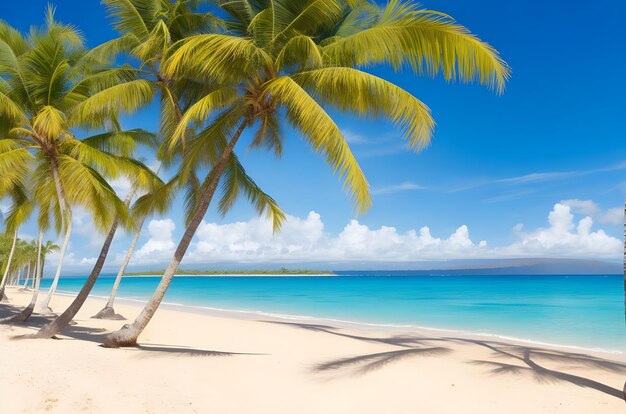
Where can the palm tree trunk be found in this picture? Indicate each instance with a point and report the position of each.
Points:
(51, 329)
(66, 219)
(129, 333)
(28, 274)
(8, 267)
(26, 312)
(108, 312)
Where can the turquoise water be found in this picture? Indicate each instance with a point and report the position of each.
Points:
(585, 311)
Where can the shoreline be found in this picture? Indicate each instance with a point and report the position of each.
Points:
(244, 314)
(239, 275)
(198, 360)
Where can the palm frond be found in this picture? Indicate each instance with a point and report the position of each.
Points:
(307, 116)
(367, 95)
(127, 97)
(428, 41)
(236, 182)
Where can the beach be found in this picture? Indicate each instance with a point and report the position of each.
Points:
(190, 362)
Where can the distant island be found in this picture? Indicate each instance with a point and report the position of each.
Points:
(254, 272)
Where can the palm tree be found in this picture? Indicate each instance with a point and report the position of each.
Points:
(291, 58)
(166, 22)
(7, 267)
(149, 28)
(42, 250)
(51, 329)
(19, 212)
(50, 87)
(156, 201)
(31, 257)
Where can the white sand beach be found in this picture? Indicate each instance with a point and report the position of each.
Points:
(197, 363)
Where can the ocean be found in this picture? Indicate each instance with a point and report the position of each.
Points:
(579, 311)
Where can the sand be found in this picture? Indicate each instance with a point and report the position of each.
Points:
(218, 363)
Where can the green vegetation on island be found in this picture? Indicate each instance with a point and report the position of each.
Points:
(254, 272)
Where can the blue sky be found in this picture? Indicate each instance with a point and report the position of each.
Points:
(495, 163)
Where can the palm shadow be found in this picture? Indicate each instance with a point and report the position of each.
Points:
(364, 364)
(528, 360)
(183, 351)
(96, 335)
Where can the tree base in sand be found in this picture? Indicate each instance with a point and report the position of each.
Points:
(108, 313)
(125, 337)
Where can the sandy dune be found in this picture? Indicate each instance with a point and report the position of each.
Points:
(196, 363)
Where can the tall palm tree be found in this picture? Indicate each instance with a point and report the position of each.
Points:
(32, 263)
(156, 201)
(28, 310)
(18, 214)
(7, 267)
(50, 87)
(291, 58)
(149, 29)
(41, 251)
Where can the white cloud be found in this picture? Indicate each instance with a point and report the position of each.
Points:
(614, 216)
(121, 186)
(396, 188)
(70, 259)
(160, 244)
(352, 137)
(305, 240)
(4, 208)
(83, 225)
(563, 238)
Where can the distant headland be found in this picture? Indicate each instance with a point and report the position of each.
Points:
(251, 272)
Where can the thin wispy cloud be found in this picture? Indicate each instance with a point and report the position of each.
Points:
(397, 188)
(540, 177)
(352, 137)
(508, 196)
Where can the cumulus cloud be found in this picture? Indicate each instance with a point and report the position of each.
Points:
(160, 244)
(306, 240)
(82, 224)
(69, 260)
(614, 216)
(564, 237)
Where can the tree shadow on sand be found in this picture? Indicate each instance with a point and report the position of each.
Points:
(524, 360)
(183, 351)
(97, 335)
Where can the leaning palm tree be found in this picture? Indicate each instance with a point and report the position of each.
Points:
(42, 250)
(32, 263)
(25, 313)
(50, 87)
(291, 58)
(155, 201)
(20, 211)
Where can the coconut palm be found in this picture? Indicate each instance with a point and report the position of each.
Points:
(7, 267)
(290, 59)
(18, 214)
(50, 87)
(156, 201)
(31, 258)
(145, 178)
(41, 251)
(28, 310)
